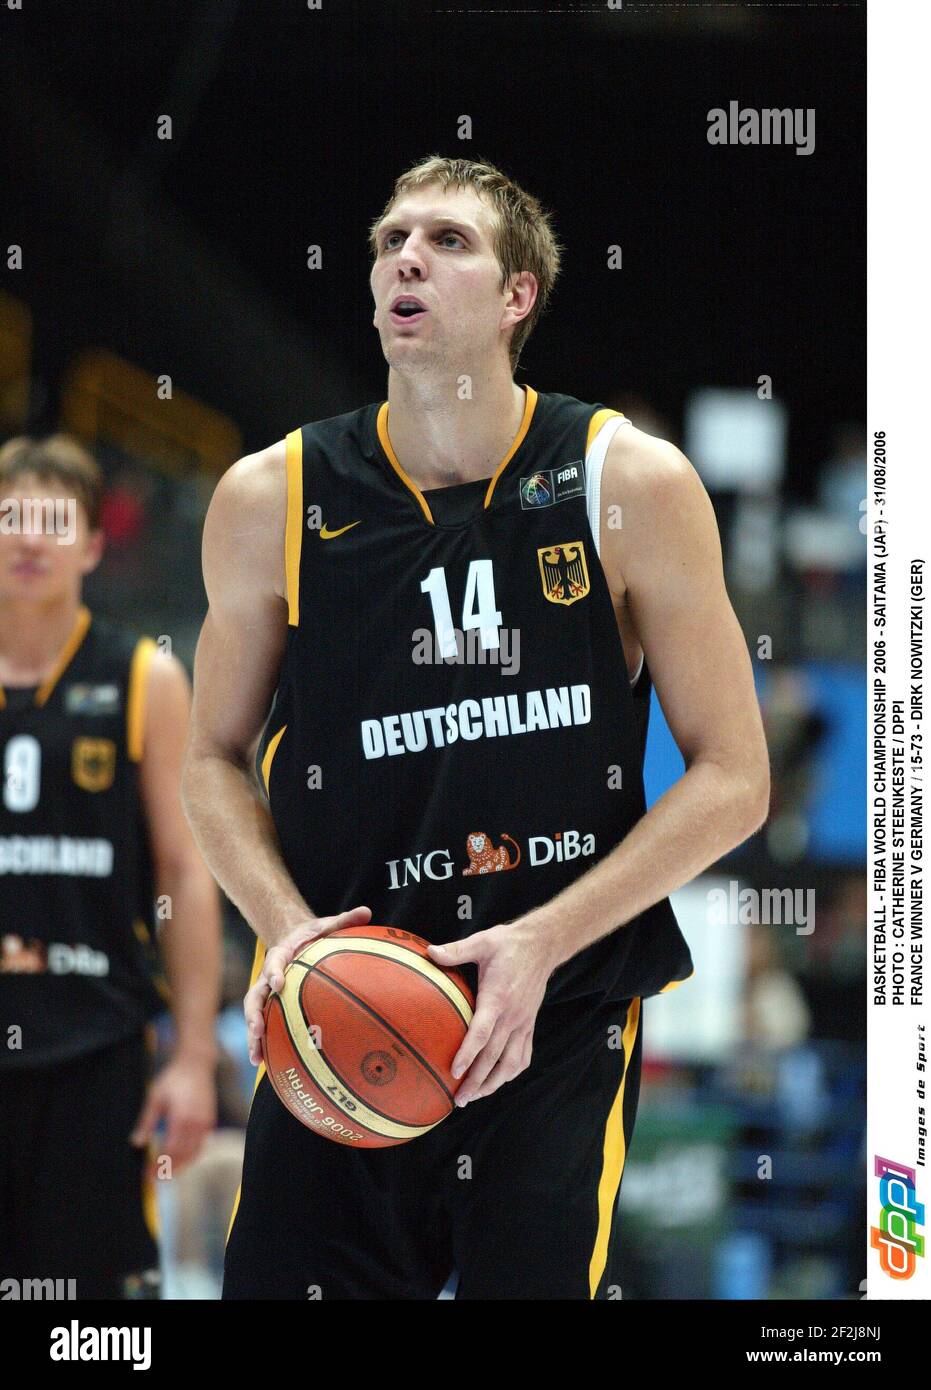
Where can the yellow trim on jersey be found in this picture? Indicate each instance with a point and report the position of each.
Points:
(76, 636)
(149, 1199)
(258, 961)
(144, 936)
(600, 417)
(529, 407)
(136, 697)
(270, 752)
(381, 424)
(674, 984)
(229, 1229)
(615, 1152)
(294, 525)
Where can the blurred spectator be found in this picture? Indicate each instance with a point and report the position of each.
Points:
(195, 1207)
(794, 728)
(123, 509)
(833, 978)
(775, 1013)
(842, 483)
(236, 1078)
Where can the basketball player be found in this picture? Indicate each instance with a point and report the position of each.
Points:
(466, 506)
(92, 727)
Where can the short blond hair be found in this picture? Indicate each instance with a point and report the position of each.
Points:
(59, 456)
(522, 239)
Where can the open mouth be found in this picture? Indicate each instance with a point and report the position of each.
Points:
(407, 309)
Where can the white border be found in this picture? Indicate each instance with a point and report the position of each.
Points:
(898, 364)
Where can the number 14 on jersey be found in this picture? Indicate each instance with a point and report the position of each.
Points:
(478, 607)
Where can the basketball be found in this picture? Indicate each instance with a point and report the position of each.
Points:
(360, 1040)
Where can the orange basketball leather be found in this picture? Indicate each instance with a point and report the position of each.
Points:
(360, 1041)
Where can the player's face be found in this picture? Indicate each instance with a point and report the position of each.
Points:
(46, 545)
(437, 246)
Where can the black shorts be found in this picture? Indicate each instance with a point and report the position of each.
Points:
(74, 1199)
(517, 1191)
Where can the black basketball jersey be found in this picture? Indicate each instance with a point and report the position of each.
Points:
(78, 963)
(454, 736)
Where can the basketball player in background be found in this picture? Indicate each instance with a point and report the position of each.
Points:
(398, 786)
(92, 727)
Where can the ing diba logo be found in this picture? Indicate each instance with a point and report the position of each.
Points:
(484, 858)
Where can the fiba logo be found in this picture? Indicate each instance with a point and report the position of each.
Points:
(896, 1237)
(552, 485)
(535, 490)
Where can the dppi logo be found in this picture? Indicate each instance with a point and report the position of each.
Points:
(896, 1236)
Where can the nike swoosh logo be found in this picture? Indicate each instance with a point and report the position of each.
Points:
(327, 535)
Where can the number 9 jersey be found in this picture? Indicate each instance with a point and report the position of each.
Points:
(78, 963)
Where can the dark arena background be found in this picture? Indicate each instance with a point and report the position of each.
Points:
(168, 309)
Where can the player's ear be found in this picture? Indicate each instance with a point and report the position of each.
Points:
(522, 294)
(93, 550)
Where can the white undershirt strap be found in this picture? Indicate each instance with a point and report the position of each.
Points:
(594, 464)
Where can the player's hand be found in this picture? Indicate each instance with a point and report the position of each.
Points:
(279, 956)
(184, 1096)
(513, 968)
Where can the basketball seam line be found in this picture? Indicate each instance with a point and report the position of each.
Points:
(350, 949)
(314, 1082)
(317, 965)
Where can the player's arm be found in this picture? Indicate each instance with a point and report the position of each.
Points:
(184, 1091)
(235, 673)
(190, 936)
(664, 564)
(236, 668)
